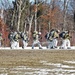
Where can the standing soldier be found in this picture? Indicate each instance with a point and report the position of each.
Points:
(55, 38)
(24, 37)
(10, 36)
(1, 39)
(65, 40)
(52, 38)
(36, 39)
(49, 40)
(16, 37)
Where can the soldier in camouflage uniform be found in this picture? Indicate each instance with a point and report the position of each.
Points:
(24, 38)
(55, 38)
(65, 40)
(36, 40)
(52, 38)
(1, 39)
(49, 40)
(16, 37)
(10, 36)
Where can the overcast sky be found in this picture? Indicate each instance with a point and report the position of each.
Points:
(14, 0)
(31, 0)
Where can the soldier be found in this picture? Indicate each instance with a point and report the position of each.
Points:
(55, 38)
(24, 37)
(52, 38)
(10, 36)
(49, 40)
(65, 40)
(16, 37)
(36, 39)
(1, 39)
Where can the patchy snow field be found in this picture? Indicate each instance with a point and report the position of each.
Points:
(37, 62)
(57, 69)
(72, 47)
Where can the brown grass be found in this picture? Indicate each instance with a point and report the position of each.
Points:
(10, 58)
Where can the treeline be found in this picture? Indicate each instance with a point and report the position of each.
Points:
(39, 15)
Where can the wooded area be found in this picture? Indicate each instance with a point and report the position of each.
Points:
(40, 15)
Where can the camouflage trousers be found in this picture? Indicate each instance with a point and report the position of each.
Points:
(25, 43)
(52, 44)
(65, 44)
(36, 42)
(14, 44)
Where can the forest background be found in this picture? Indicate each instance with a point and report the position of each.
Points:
(40, 15)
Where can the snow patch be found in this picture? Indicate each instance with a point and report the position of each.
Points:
(70, 62)
(43, 48)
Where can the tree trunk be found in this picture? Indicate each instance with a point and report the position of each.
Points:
(18, 25)
(19, 15)
(30, 23)
(36, 19)
(49, 26)
(65, 11)
(25, 27)
(13, 18)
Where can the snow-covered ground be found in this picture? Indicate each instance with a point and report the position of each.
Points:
(30, 48)
(57, 69)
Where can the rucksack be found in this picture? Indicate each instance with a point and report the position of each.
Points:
(63, 35)
(34, 36)
(24, 36)
(50, 35)
(10, 36)
(16, 37)
(47, 36)
(53, 33)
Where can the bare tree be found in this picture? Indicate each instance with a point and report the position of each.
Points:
(65, 12)
(35, 15)
(30, 19)
(5, 4)
(20, 10)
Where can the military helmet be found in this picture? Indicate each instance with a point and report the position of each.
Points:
(35, 32)
(58, 31)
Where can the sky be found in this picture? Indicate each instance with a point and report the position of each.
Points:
(31, 0)
(14, 0)
(10, 1)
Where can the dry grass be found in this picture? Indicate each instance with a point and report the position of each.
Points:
(10, 58)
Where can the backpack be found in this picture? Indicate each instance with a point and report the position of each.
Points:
(34, 36)
(51, 35)
(47, 36)
(64, 35)
(16, 37)
(24, 36)
(10, 36)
